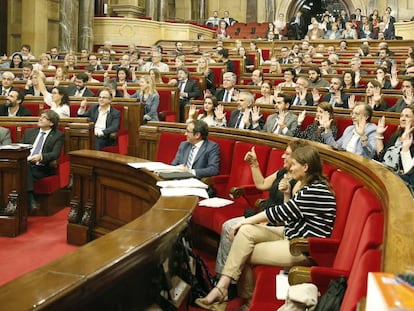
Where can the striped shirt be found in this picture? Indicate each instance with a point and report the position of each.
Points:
(310, 213)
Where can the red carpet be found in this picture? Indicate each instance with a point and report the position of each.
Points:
(44, 241)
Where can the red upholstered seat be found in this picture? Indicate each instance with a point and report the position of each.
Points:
(50, 184)
(240, 175)
(323, 251)
(168, 146)
(169, 103)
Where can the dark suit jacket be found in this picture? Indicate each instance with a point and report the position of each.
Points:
(52, 146)
(207, 161)
(235, 115)
(220, 95)
(308, 98)
(22, 112)
(344, 98)
(192, 89)
(72, 91)
(112, 120)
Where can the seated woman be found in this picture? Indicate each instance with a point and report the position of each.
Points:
(383, 78)
(156, 75)
(213, 113)
(350, 80)
(267, 96)
(314, 131)
(148, 95)
(374, 96)
(32, 84)
(62, 74)
(221, 31)
(275, 183)
(202, 67)
(389, 153)
(57, 99)
(257, 243)
(289, 75)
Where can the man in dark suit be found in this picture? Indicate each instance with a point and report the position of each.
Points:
(79, 89)
(13, 105)
(105, 117)
(302, 97)
(247, 116)
(188, 89)
(257, 78)
(336, 97)
(47, 144)
(283, 122)
(54, 54)
(297, 24)
(7, 83)
(284, 59)
(198, 155)
(228, 93)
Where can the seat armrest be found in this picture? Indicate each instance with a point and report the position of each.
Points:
(298, 246)
(299, 275)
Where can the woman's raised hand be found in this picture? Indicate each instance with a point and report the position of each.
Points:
(381, 128)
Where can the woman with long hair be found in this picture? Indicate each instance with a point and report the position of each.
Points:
(313, 131)
(373, 96)
(155, 74)
(148, 95)
(16, 60)
(70, 62)
(266, 91)
(310, 212)
(213, 113)
(202, 67)
(32, 84)
(388, 153)
(61, 74)
(57, 99)
(349, 78)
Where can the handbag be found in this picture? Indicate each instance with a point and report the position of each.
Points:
(301, 297)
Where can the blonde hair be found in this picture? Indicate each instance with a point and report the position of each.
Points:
(151, 84)
(199, 69)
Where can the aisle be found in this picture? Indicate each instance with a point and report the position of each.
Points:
(44, 241)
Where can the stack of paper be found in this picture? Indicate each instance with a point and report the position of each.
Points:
(183, 187)
(215, 202)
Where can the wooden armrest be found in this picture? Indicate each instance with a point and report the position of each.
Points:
(299, 246)
(299, 275)
(236, 192)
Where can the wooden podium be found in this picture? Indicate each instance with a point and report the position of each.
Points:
(13, 193)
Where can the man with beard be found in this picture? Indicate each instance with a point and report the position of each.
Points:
(315, 78)
(335, 97)
(13, 105)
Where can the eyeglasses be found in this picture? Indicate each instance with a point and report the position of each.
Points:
(104, 97)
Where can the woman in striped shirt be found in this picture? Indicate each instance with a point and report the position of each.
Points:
(309, 213)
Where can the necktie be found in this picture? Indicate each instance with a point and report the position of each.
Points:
(332, 100)
(4, 92)
(239, 120)
(297, 101)
(180, 85)
(38, 147)
(226, 96)
(189, 162)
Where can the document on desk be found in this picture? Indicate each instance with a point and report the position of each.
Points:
(153, 166)
(179, 192)
(182, 183)
(215, 202)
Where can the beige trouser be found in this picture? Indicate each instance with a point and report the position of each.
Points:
(258, 245)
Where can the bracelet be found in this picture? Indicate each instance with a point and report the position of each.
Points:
(380, 137)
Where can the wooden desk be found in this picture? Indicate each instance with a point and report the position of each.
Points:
(115, 271)
(13, 182)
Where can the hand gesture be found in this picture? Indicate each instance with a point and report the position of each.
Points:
(381, 128)
(377, 96)
(326, 120)
(192, 111)
(250, 156)
(407, 136)
(98, 62)
(357, 78)
(219, 113)
(394, 77)
(29, 83)
(301, 117)
(302, 95)
(277, 90)
(281, 118)
(83, 104)
(207, 93)
(351, 102)
(284, 184)
(110, 66)
(106, 75)
(408, 97)
(235, 96)
(56, 83)
(360, 127)
(256, 114)
(316, 96)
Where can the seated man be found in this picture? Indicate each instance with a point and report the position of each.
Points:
(198, 155)
(13, 105)
(47, 143)
(79, 89)
(7, 79)
(283, 122)
(359, 138)
(105, 117)
(228, 93)
(336, 97)
(247, 116)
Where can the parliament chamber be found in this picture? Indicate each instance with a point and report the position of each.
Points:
(123, 228)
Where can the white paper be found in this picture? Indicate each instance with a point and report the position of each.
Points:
(215, 202)
(151, 166)
(282, 286)
(182, 183)
(178, 192)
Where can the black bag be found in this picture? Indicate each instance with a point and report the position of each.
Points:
(332, 299)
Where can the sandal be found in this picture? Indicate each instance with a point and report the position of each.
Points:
(219, 305)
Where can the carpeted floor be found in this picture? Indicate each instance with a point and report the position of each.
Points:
(44, 241)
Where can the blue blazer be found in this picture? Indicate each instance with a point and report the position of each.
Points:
(207, 161)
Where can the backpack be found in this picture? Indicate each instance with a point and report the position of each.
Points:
(332, 299)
